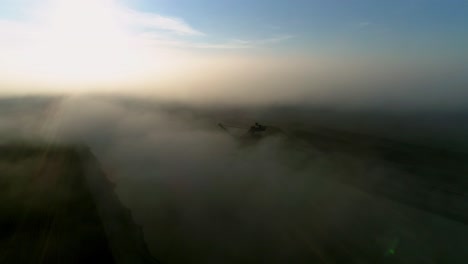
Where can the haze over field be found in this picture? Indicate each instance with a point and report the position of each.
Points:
(200, 195)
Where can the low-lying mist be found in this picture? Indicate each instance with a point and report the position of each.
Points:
(203, 197)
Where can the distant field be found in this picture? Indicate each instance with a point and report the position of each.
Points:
(425, 177)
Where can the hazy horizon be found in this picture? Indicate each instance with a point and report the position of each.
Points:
(408, 54)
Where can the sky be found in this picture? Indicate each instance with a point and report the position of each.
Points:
(184, 48)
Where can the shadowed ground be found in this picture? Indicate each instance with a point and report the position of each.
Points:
(49, 215)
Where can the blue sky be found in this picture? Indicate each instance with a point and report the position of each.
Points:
(362, 25)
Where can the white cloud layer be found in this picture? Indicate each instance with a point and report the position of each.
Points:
(94, 41)
(155, 21)
(81, 16)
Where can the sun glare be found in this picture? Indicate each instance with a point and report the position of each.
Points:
(85, 42)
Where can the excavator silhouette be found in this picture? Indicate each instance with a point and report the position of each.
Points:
(254, 132)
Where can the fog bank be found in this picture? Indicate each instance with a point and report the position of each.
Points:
(202, 197)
